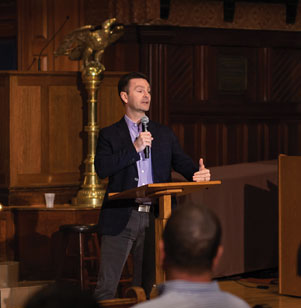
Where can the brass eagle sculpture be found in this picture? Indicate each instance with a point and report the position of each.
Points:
(88, 43)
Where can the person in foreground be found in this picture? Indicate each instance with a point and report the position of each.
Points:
(121, 155)
(190, 251)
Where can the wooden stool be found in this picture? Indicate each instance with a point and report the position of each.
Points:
(81, 254)
(80, 242)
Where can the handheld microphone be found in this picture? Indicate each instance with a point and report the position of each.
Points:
(48, 42)
(144, 122)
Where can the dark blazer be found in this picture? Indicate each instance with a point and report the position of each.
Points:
(116, 158)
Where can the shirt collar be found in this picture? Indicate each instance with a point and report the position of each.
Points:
(187, 286)
(129, 122)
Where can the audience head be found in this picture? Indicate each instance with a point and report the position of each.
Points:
(191, 240)
(123, 84)
(61, 296)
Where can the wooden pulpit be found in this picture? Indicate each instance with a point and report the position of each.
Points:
(162, 191)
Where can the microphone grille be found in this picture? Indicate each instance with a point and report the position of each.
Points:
(144, 120)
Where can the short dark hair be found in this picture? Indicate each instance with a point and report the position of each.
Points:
(191, 238)
(125, 79)
(59, 295)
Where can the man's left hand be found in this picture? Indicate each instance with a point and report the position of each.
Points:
(203, 174)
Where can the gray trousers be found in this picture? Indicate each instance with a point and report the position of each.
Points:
(114, 252)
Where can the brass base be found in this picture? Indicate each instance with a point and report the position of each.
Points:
(89, 198)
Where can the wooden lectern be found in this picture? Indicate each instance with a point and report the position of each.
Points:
(163, 191)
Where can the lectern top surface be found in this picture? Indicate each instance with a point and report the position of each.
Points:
(159, 189)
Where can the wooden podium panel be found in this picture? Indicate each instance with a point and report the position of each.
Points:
(290, 225)
(163, 192)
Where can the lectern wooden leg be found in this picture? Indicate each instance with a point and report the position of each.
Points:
(164, 213)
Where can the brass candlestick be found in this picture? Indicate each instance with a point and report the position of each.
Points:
(88, 44)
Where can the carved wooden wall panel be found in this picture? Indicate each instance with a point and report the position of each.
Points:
(45, 137)
(180, 74)
(8, 19)
(122, 57)
(228, 142)
(26, 115)
(110, 107)
(286, 75)
(63, 9)
(34, 18)
(201, 72)
(44, 143)
(38, 22)
(4, 132)
(230, 95)
(245, 58)
(65, 121)
(153, 64)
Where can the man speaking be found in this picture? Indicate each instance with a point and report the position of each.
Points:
(133, 152)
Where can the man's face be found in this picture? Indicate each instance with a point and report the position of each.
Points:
(138, 96)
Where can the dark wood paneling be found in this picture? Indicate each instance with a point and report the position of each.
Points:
(44, 23)
(8, 19)
(73, 12)
(110, 108)
(201, 65)
(180, 73)
(243, 54)
(4, 132)
(123, 56)
(255, 122)
(7, 232)
(44, 144)
(286, 75)
(37, 234)
(153, 63)
(47, 149)
(236, 137)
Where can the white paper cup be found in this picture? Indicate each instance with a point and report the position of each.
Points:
(49, 198)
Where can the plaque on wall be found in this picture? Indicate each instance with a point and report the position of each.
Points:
(232, 73)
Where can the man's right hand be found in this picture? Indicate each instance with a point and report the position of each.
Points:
(142, 141)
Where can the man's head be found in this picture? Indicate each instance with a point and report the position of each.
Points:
(134, 91)
(191, 240)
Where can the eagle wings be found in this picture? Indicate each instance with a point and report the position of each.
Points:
(88, 43)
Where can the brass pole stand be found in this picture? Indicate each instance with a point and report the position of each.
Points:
(92, 190)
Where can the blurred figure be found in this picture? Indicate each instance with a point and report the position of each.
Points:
(190, 250)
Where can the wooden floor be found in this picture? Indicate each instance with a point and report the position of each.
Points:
(267, 298)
